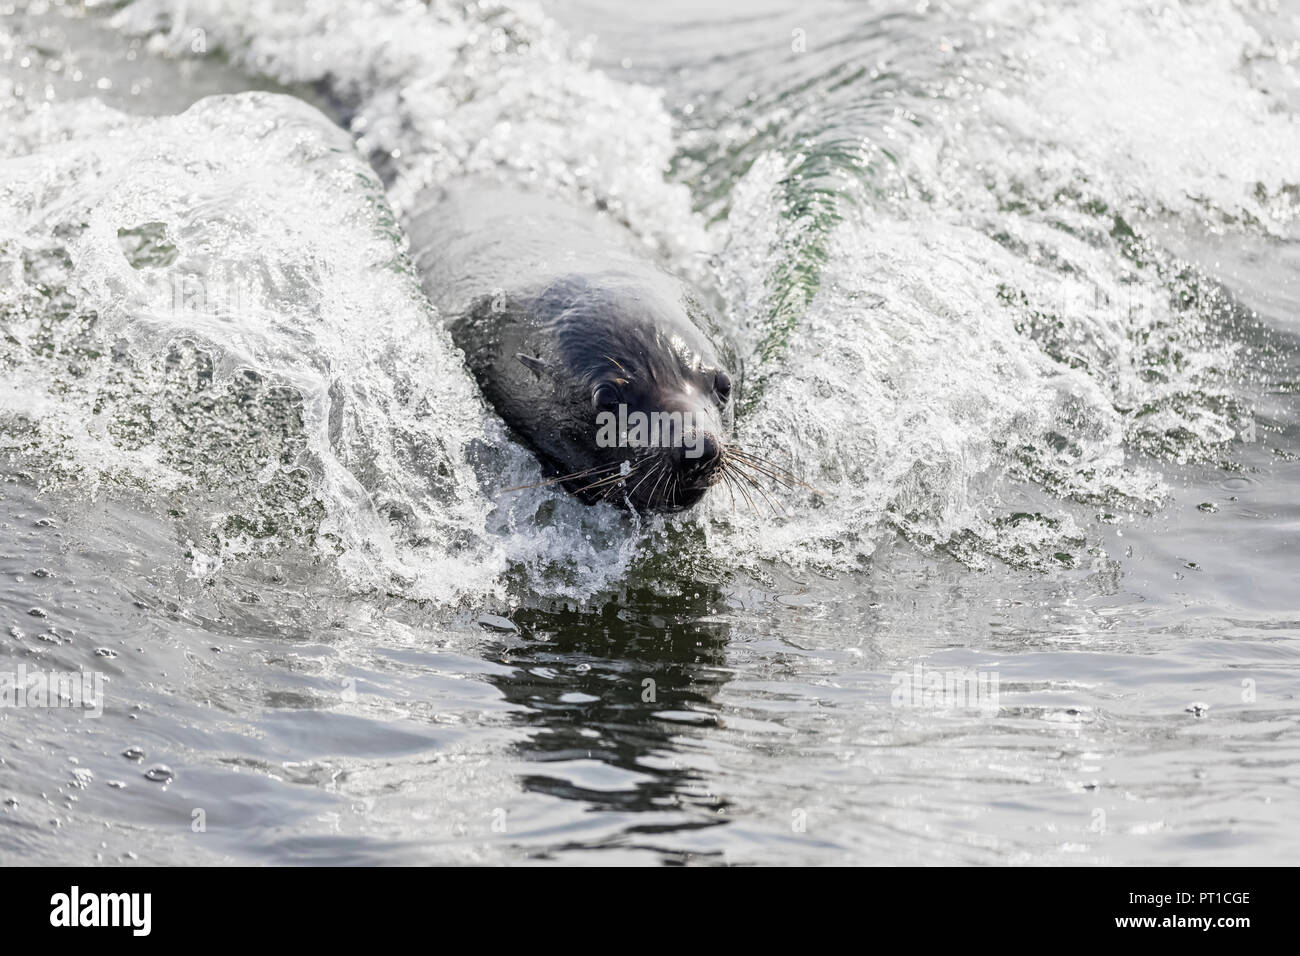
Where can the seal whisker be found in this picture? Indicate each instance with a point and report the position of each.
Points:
(622, 483)
(760, 460)
(657, 466)
(778, 477)
(551, 481)
(741, 464)
(608, 490)
(741, 488)
(759, 488)
(730, 489)
(773, 470)
(655, 486)
(655, 473)
(776, 471)
(608, 479)
(732, 469)
(611, 480)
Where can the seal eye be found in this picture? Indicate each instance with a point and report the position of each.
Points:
(722, 384)
(604, 395)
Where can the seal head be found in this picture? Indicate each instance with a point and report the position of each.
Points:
(605, 364)
(613, 382)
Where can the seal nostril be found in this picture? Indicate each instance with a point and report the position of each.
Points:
(698, 459)
(710, 449)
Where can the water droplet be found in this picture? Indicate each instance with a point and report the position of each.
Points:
(161, 773)
(81, 777)
(133, 753)
(492, 622)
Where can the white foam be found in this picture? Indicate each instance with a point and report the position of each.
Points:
(976, 359)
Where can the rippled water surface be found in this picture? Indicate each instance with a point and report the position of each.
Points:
(1018, 294)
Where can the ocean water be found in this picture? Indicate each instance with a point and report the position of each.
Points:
(1017, 287)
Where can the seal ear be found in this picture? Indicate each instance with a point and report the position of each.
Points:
(534, 363)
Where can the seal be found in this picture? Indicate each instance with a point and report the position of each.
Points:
(607, 366)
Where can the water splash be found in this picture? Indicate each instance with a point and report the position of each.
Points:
(959, 328)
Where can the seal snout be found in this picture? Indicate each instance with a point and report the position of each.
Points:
(672, 446)
(691, 465)
(698, 457)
